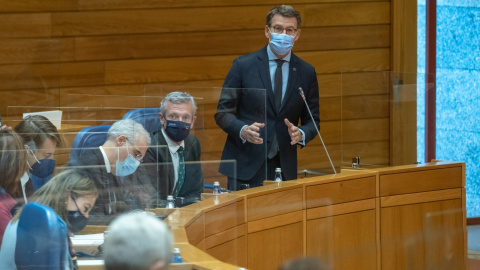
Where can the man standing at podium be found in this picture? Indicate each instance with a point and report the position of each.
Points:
(173, 159)
(281, 73)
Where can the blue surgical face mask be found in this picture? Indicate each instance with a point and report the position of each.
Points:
(38, 182)
(76, 219)
(41, 171)
(128, 166)
(177, 130)
(281, 43)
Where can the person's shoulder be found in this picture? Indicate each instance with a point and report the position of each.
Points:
(304, 64)
(191, 139)
(253, 55)
(157, 137)
(89, 156)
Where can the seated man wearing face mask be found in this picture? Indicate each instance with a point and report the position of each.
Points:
(41, 140)
(178, 170)
(123, 185)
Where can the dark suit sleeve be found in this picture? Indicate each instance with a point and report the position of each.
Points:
(311, 95)
(193, 190)
(226, 116)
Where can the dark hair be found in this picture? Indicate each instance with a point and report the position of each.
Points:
(284, 11)
(13, 162)
(37, 128)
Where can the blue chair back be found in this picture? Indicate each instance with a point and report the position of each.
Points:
(41, 239)
(87, 138)
(147, 117)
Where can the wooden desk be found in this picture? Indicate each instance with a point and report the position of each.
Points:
(388, 218)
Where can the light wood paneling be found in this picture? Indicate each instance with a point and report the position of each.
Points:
(225, 236)
(283, 243)
(28, 51)
(90, 23)
(347, 14)
(285, 201)
(419, 181)
(132, 4)
(336, 61)
(196, 230)
(276, 221)
(340, 192)
(236, 256)
(37, 5)
(226, 42)
(340, 209)
(421, 197)
(423, 236)
(25, 25)
(345, 241)
(225, 217)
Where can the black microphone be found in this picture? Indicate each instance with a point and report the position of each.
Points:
(300, 90)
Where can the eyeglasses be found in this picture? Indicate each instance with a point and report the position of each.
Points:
(279, 30)
(136, 153)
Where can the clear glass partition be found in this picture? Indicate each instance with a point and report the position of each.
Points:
(378, 118)
(29, 74)
(225, 112)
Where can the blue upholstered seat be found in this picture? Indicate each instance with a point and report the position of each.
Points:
(42, 241)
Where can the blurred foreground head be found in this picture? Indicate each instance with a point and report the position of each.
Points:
(137, 241)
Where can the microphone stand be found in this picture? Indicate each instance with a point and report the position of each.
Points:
(318, 132)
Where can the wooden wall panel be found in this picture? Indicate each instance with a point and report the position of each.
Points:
(156, 20)
(348, 14)
(25, 25)
(27, 51)
(133, 4)
(116, 47)
(182, 45)
(37, 5)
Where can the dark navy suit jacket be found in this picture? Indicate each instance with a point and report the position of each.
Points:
(237, 108)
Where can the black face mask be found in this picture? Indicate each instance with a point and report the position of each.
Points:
(177, 130)
(76, 219)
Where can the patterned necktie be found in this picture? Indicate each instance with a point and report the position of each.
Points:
(181, 172)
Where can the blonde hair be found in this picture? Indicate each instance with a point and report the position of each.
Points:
(54, 194)
(13, 163)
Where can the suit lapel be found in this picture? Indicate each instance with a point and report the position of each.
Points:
(292, 80)
(264, 70)
(164, 153)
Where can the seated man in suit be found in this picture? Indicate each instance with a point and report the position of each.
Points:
(177, 171)
(123, 185)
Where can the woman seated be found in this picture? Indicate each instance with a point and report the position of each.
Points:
(13, 166)
(71, 194)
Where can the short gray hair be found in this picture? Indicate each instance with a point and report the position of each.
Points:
(284, 11)
(130, 129)
(136, 241)
(178, 98)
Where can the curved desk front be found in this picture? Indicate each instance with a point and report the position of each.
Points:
(405, 217)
